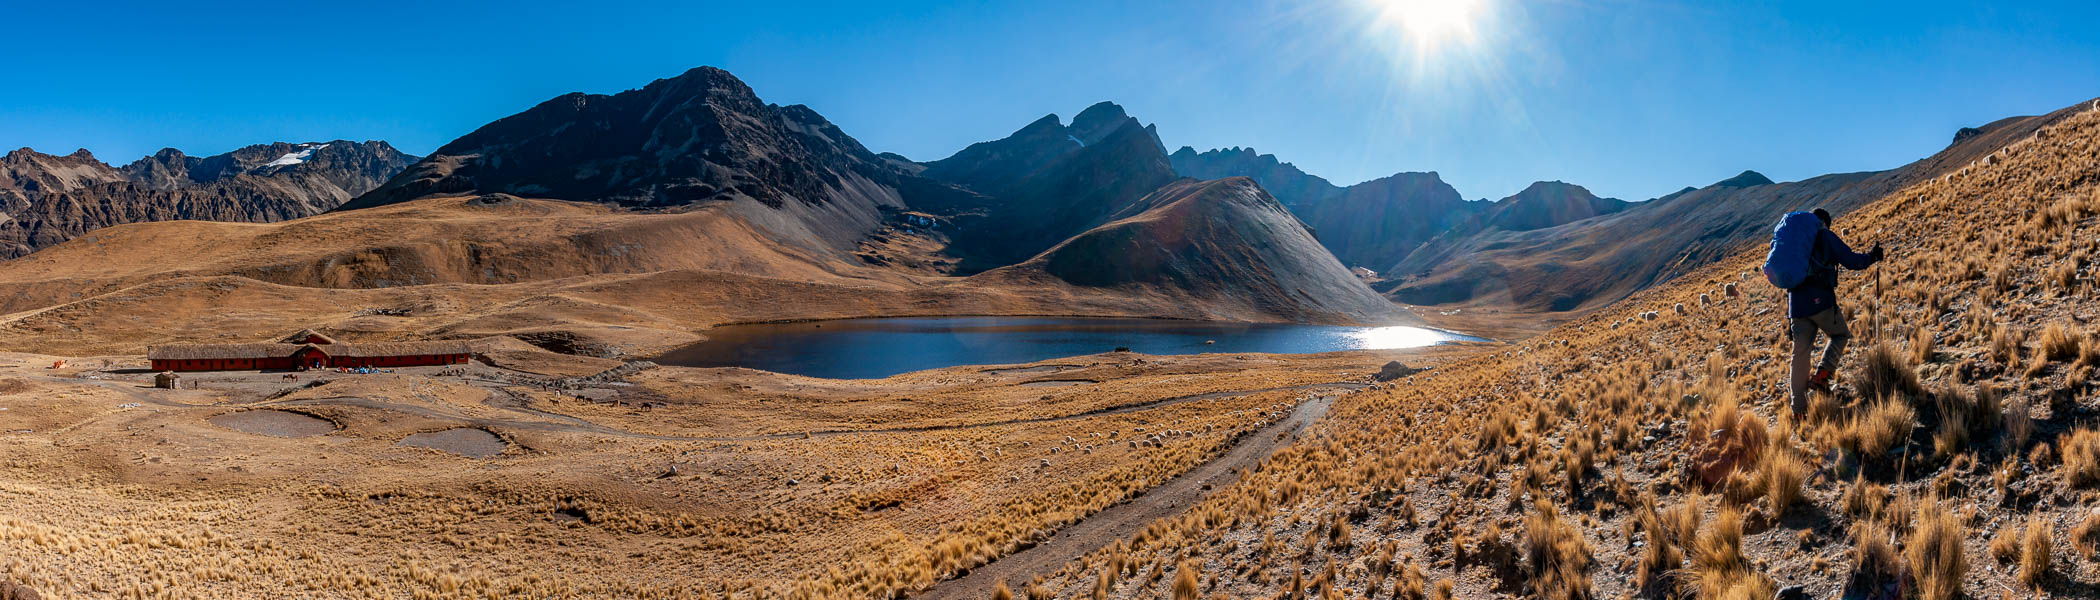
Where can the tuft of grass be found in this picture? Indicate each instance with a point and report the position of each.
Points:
(1185, 581)
(2018, 423)
(2081, 457)
(2035, 558)
(1864, 500)
(1559, 558)
(1662, 554)
(1002, 593)
(2005, 547)
(1718, 568)
(1956, 410)
(1934, 553)
(1442, 590)
(2057, 343)
(1921, 346)
(2086, 535)
(1880, 428)
(1885, 372)
(1874, 558)
(2005, 346)
(1783, 474)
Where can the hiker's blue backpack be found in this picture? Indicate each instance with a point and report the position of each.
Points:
(1793, 245)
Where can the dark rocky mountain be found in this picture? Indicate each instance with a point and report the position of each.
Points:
(1378, 223)
(1045, 183)
(1743, 180)
(1374, 224)
(701, 138)
(47, 199)
(1593, 262)
(1291, 186)
(1225, 244)
(1546, 204)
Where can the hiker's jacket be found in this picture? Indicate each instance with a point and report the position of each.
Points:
(1819, 292)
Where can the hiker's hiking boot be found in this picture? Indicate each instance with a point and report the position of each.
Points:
(1821, 381)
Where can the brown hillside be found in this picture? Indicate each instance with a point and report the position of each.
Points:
(616, 281)
(1225, 243)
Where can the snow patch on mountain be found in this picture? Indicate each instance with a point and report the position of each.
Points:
(306, 151)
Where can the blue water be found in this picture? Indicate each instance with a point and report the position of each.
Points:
(874, 348)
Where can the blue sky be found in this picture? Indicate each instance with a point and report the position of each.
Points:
(1632, 99)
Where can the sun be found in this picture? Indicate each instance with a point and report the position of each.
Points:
(1431, 25)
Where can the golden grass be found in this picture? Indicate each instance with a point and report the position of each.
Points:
(1719, 569)
(1934, 553)
(1560, 560)
(2006, 546)
(2081, 457)
(1185, 581)
(2035, 555)
(1885, 374)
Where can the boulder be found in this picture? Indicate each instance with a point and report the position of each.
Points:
(1394, 370)
(14, 591)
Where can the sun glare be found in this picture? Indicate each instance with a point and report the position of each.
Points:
(1430, 25)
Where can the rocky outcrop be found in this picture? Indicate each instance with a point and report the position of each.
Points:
(47, 199)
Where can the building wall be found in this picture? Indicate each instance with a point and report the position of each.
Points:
(287, 362)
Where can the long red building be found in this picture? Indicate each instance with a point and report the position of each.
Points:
(306, 349)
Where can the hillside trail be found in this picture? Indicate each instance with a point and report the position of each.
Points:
(1123, 520)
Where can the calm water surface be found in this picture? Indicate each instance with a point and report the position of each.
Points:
(872, 348)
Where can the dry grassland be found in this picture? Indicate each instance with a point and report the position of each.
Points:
(682, 483)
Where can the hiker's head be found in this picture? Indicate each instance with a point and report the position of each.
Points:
(1824, 215)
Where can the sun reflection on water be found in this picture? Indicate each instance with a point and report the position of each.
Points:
(1386, 338)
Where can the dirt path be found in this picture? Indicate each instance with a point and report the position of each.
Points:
(568, 424)
(1122, 520)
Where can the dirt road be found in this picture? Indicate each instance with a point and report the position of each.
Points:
(1122, 520)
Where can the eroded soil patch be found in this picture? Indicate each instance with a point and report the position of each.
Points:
(465, 441)
(277, 423)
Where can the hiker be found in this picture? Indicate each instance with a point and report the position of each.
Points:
(1811, 306)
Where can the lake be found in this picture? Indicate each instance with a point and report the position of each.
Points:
(874, 348)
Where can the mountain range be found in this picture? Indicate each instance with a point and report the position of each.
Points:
(630, 220)
(47, 199)
(696, 203)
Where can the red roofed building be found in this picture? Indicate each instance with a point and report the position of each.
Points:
(306, 349)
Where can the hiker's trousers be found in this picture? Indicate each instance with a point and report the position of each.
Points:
(1831, 323)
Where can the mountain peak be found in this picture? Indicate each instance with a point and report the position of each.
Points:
(1545, 187)
(1049, 123)
(1100, 113)
(1097, 121)
(1744, 179)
